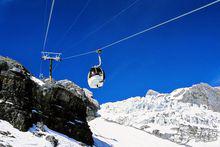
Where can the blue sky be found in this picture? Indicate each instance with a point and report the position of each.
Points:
(178, 54)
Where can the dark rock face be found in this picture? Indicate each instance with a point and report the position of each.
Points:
(62, 111)
(2, 145)
(15, 94)
(92, 106)
(23, 103)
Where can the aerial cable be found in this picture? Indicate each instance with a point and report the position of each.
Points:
(71, 26)
(148, 29)
(74, 22)
(46, 33)
(161, 24)
(55, 67)
(105, 23)
(79, 55)
(45, 13)
(48, 25)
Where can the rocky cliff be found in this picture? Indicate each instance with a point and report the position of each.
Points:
(24, 102)
(92, 106)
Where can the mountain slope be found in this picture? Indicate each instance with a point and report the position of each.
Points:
(184, 116)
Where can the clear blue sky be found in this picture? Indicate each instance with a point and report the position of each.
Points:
(179, 54)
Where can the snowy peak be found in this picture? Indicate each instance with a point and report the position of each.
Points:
(200, 94)
(152, 93)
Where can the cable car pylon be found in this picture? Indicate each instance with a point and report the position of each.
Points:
(51, 56)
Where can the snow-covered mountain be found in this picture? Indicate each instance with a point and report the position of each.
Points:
(184, 116)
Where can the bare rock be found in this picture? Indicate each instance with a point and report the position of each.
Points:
(203, 94)
(52, 140)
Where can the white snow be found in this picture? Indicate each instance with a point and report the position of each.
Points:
(178, 93)
(162, 109)
(38, 81)
(108, 134)
(28, 139)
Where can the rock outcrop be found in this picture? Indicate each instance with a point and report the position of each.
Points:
(203, 94)
(92, 106)
(16, 94)
(23, 103)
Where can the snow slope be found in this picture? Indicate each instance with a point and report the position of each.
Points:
(112, 134)
(108, 134)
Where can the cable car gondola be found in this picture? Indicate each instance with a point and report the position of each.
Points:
(96, 75)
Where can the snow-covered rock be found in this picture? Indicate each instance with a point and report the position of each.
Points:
(38, 81)
(11, 137)
(86, 95)
(152, 92)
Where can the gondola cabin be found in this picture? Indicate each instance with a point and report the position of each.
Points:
(96, 77)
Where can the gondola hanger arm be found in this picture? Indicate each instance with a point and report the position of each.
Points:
(99, 51)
